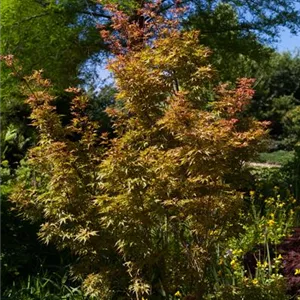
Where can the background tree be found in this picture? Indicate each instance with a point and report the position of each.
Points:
(261, 17)
(56, 36)
(278, 97)
(235, 53)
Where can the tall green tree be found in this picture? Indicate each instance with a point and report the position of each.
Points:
(262, 17)
(235, 52)
(277, 98)
(56, 36)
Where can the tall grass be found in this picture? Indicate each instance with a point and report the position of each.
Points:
(43, 287)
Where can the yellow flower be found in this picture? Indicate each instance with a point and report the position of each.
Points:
(255, 281)
(233, 263)
(279, 256)
(269, 201)
(177, 294)
(213, 232)
(258, 264)
(297, 272)
(271, 223)
(262, 265)
(252, 193)
(237, 252)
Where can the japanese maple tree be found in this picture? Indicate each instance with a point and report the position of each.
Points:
(143, 210)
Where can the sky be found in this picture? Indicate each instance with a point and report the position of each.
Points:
(288, 42)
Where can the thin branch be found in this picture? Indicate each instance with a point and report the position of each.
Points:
(94, 14)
